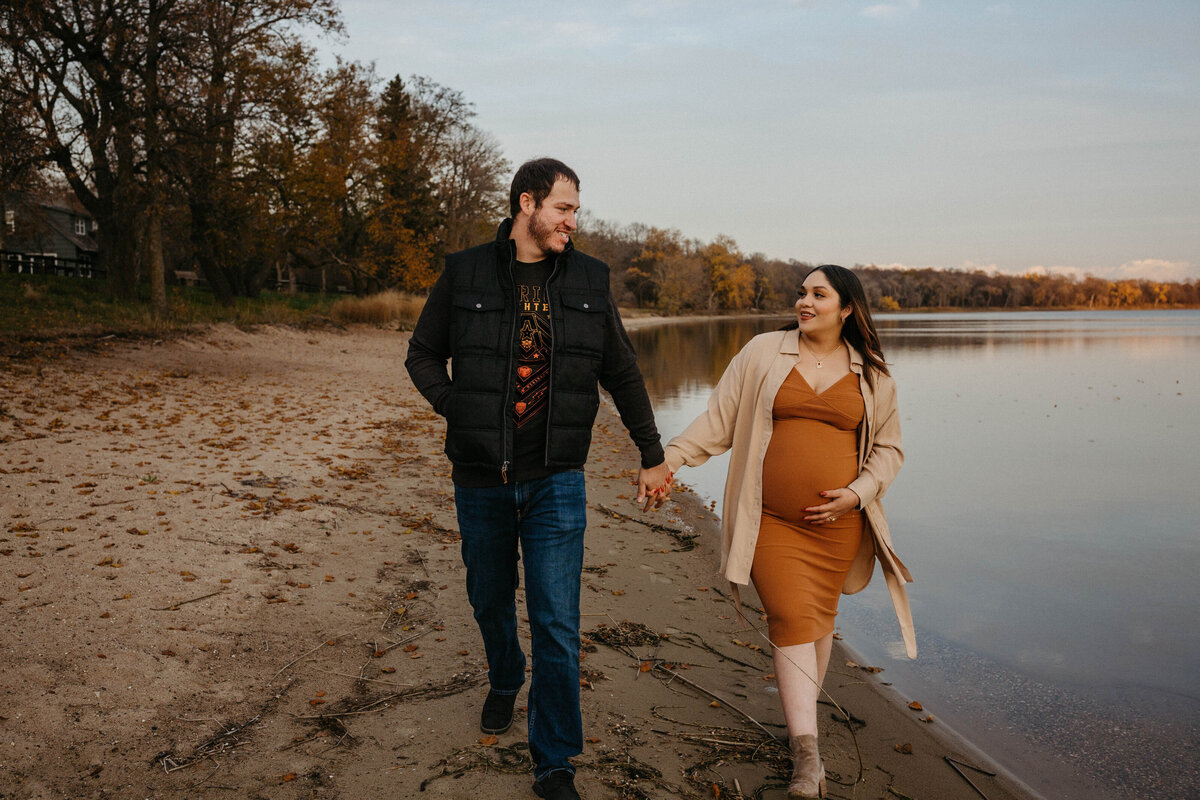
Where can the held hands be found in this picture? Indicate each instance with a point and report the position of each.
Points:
(654, 486)
(839, 501)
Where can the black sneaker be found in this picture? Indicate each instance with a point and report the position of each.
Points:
(558, 785)
(497, 713)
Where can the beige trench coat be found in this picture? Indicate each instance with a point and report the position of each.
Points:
(738, 418)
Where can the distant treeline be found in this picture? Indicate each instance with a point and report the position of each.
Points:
(661, 270)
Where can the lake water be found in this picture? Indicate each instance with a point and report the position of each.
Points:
(1049, 508)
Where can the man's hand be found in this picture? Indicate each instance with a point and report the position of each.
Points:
(654, 486)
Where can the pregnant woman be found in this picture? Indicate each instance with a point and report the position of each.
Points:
(809, 413)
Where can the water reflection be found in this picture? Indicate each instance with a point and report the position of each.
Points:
(683, 357)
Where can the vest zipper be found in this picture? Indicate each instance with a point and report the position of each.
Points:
(550, 379)
(508, 383)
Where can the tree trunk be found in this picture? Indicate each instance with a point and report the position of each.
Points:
(155, 263)
(154, 176)
(206, 258)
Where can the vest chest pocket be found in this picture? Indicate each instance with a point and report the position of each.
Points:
(584, 315)
(478, 317)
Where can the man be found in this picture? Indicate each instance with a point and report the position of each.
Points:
(531, 328)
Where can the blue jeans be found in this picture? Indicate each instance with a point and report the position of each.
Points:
(545, 519)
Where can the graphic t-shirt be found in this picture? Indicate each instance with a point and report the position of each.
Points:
(531, 383)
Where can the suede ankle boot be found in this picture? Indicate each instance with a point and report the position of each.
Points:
(808, 773)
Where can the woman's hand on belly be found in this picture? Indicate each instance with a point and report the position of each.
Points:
(839, 501)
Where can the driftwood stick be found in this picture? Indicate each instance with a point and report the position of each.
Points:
(305, 655)
(346, 713)
(175, 606)
(115, 502)
(654, 526)
(40, 523)
(954, 765)
(361, 678)
(962, 763)
(207, 777)
(718, 698)
(421, 558)
(394, 645)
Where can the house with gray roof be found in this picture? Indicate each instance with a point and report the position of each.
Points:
(45, 235)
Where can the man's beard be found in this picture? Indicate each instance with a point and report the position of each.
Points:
(544, 236)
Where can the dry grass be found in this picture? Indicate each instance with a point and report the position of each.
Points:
(49, 305)
(379, 309)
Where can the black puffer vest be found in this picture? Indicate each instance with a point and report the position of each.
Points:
(479, 430)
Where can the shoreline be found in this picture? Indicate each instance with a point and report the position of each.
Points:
(229, 563)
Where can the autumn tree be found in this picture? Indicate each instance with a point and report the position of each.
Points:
(615, 245)
(641, 275)
(730, 277)
(76, 68)
(440, 181)
(404, 225)
(240, 56)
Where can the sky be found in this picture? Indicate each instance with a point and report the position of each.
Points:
(1054, 136)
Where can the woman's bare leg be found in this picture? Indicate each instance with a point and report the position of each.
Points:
(824, 647)
(796, 671)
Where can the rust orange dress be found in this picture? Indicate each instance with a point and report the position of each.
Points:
(799, 567)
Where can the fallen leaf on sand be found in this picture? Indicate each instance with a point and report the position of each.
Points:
(488, 741)
(915, 706)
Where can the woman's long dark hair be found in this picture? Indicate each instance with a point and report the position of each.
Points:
(859, 330)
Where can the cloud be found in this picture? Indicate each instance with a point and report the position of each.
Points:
(898, 266)
(1157, 269)
(1153, 269)
(972, 266)
(1077, 273)
(890, 10)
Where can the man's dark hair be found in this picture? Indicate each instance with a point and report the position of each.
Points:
(537, 177)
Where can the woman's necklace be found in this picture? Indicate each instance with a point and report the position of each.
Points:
(820, 357)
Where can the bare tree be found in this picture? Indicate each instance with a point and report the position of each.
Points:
(472, 187)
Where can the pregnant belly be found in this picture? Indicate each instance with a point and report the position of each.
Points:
(806, 457)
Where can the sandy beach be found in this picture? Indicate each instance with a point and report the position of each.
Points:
(229, 568)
